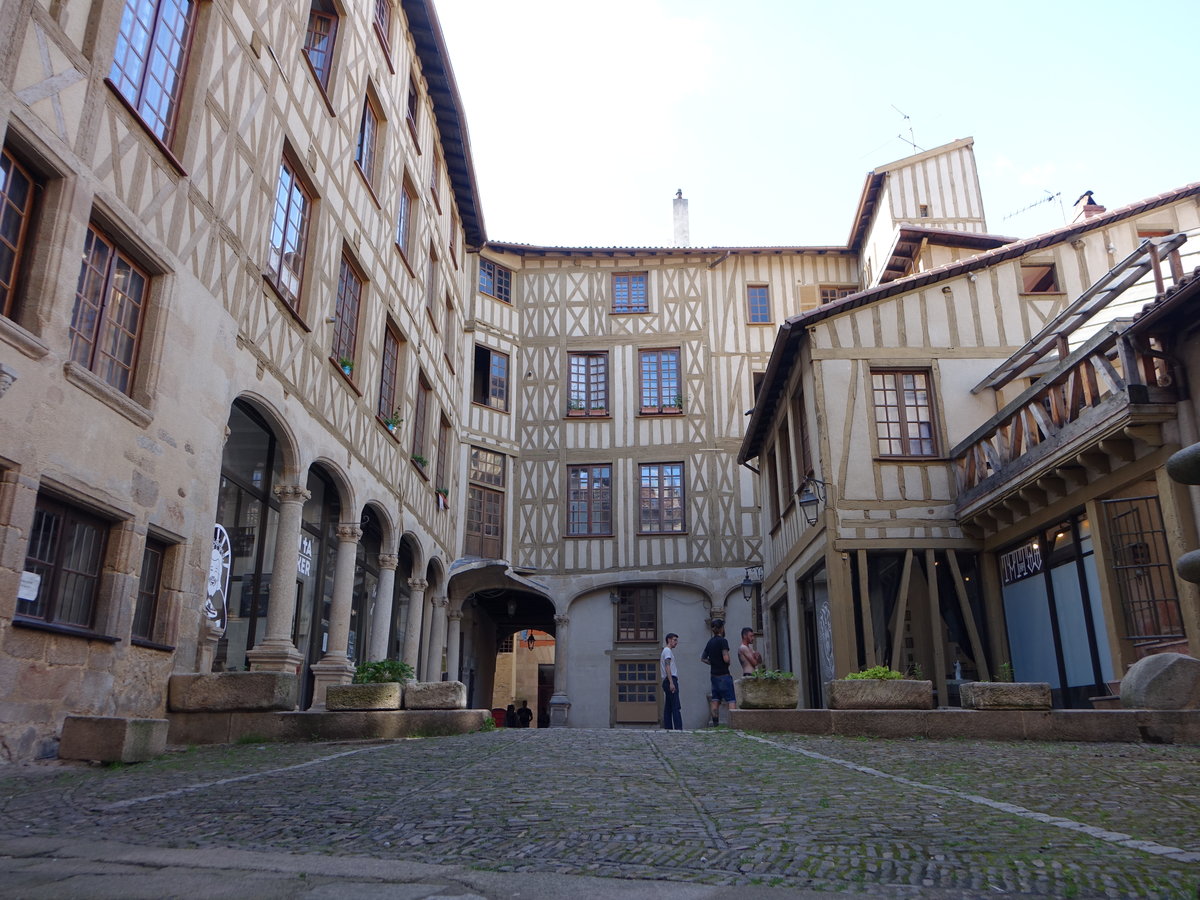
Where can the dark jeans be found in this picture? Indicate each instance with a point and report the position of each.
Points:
(672, 717)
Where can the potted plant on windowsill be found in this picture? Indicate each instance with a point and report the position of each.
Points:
(879, 687)
(420, 460)
(443, 498)
(392, 420)
(767, 689)
(377, 685)
(346, 364)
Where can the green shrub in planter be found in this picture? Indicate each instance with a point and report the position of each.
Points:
(877, 673)
(383, 670)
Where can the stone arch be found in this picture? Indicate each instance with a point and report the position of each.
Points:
(285, 436)
(391, 536)
(346, 492)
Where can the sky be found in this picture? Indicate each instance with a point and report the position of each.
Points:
(586, 116)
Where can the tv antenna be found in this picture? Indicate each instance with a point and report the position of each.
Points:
(1049, 198)
(907, 118)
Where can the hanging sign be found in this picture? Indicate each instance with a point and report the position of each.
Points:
(1022, 562)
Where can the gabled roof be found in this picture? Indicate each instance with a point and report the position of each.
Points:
(634, 252)
(910, 239)
(448, 111)
(792, 330)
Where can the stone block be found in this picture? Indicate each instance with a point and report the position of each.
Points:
(112, 739)
(796, 721)
(226, 691)
(1162, 681)
(435, 695)
(1005, 695)
(376, 695)
(873, 693)
(767, 693)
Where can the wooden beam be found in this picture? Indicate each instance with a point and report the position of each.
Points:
(1147, 434)
(935, 626)
(864, 605)
(964, 604)
(901, 609)
(1116, 447)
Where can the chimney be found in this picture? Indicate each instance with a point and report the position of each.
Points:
(681, 220)
(1088, 208)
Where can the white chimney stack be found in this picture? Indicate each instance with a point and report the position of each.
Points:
(681, 220)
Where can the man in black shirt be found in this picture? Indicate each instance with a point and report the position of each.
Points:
(716, 657)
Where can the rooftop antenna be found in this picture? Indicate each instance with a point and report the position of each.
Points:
(911, 139)
(1049, 198)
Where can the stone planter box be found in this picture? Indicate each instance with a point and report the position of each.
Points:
(374, 695)
(1005, 695)
(112, 739)
(878, 694)
(767, 693)
(435, 695)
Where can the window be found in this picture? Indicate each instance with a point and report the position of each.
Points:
(629, 292)
(420, 414)
(831, 292)
(783, 451)
(367, 150)
(145, 614)
(1039, 278)
(318, 42)
(661, 498)
(410, 104)
(494, 280)
(110, 305)
(587, 388)
(435, 181)
(349, 300)
(383, 24)
(18, 187)
(404, 218)
(66, 556)
(589, 497)
(660, 388)
(441, 476)
(431, 283)
(758, 304)
(449, 335)
(289, 234)
(637, 614)
(636, 690)
(800, 424)
(923, 210)
(151, 51)
(483, 534)
(904, 421)
(389, 372)
(490, 383)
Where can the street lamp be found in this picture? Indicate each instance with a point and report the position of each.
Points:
(812, 496)
(531, 641)
(750, 585)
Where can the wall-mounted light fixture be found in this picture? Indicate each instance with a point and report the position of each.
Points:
(531, 641)
(813, 495)
(752, 582)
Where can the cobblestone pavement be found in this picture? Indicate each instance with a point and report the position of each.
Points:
(894, 818)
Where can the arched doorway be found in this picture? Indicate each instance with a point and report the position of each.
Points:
(314, 581)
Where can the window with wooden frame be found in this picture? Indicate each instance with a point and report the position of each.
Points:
(66, 559)
(289, 234)
(495, 280)
(405, 217)
(758, 304)
(349, 305)
(420, 415)
(150, 57)
(450, 334)
(435, 181)
(800, 443)
(904, 412)
(832, 292)
(452, 237)
(771, 480)
(1039, 278)
(149, 596)
(629, 292)
(431, 284)
(383, 25)
(388, 408)
(411, 104)
(660, 390)
(489, 384)
(783, 453)
(589, 500)
(587, 384)
(483, 532)
(636, 691)
(19, 189)
(366, 152)
(110, 311)
(319, 39)
(637, 614)
(441, 477)
(661, 498)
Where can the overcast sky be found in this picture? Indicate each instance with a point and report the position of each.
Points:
(585, 117)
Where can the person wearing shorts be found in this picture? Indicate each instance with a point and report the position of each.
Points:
(716, 657)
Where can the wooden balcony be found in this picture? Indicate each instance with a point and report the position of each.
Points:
(1099, 408)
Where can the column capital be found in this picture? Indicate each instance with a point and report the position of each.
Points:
(388, 560)
(291, 493)
(454, 615)
(418, 584)
(349, 532)
(440, 602)
(561, 621)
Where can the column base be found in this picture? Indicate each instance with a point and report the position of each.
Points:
(330, 670)
(560, 706)
(275, 656)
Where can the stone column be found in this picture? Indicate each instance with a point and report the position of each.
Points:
(381, 621)
(560, 703)
(452, 640)
(335, 667)
(276, 652)
(437, 640)
(412, 631)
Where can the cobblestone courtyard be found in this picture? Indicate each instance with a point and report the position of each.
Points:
(891, 818)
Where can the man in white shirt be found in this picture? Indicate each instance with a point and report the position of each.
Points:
(672, 716)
